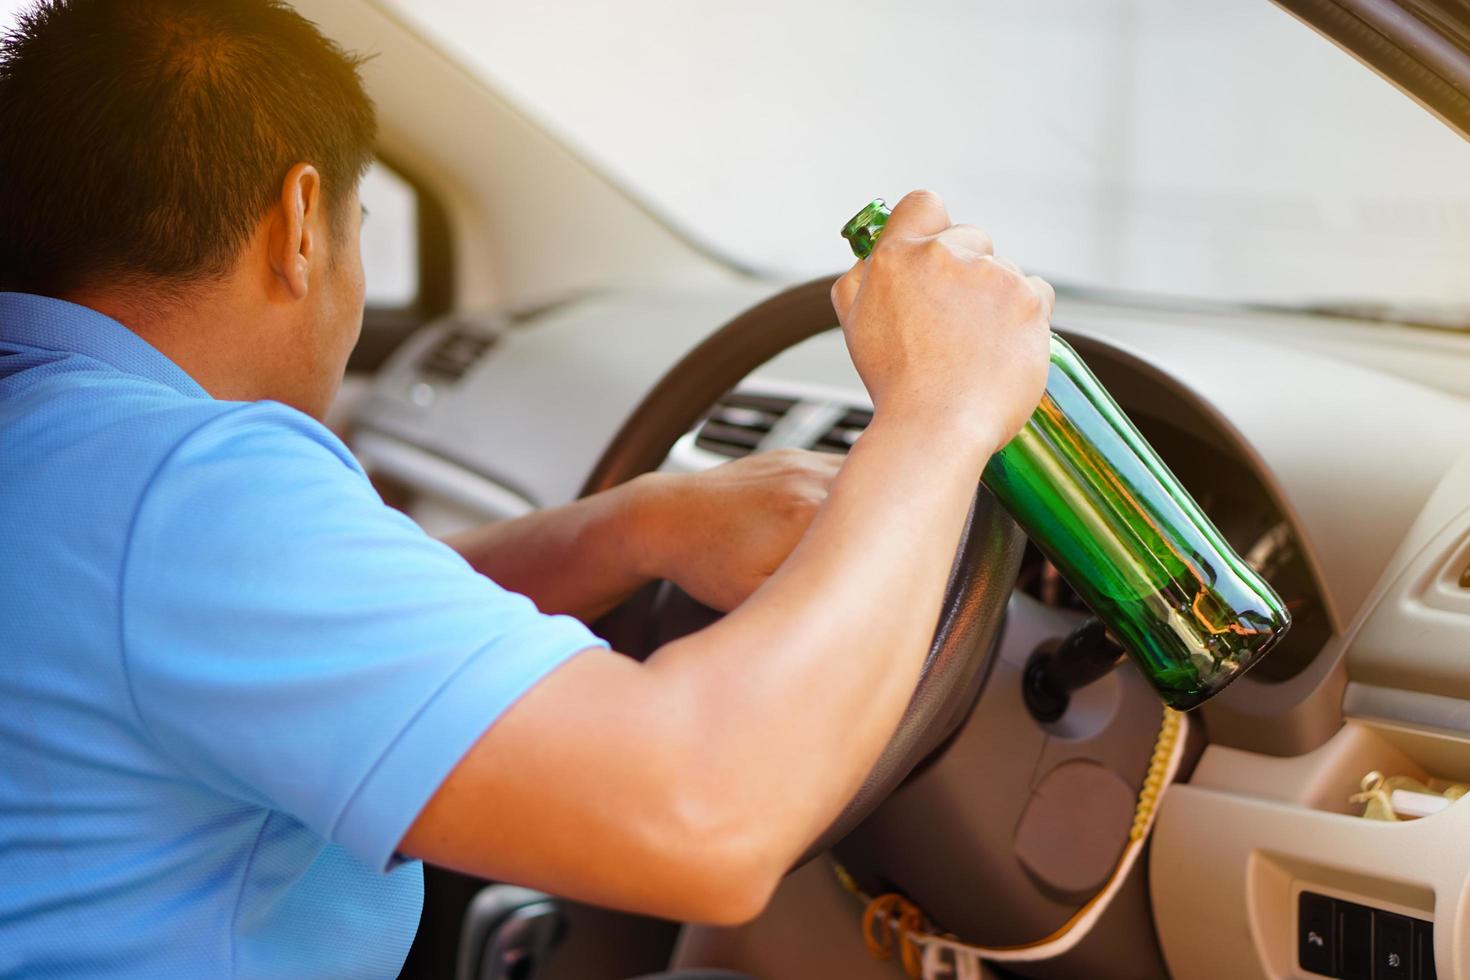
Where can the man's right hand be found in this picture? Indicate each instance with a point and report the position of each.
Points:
(941, 328)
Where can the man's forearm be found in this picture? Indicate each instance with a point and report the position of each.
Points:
(581, 559)
(826, 655)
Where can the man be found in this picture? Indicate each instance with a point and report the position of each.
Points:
(239, 697)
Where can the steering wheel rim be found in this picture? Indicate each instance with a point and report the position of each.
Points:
(980, 580)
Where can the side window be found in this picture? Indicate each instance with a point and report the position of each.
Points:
(406, 259)
(390, 238)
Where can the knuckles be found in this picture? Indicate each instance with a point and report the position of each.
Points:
(939, 250)
(799, 482)
(798, 505)
(938, 259)
(921, 198)
(1012, 286)
(844, 290)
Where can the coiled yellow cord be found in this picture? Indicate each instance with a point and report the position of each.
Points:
(1158, 771)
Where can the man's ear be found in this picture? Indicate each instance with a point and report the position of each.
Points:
(296, 227)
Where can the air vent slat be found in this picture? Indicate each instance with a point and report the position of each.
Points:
(767, 403)
(732, 434)
(738, 423)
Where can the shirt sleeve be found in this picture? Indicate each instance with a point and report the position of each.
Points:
(292, 641)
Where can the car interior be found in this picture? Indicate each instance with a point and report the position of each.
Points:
(560, 326)
(600, 242)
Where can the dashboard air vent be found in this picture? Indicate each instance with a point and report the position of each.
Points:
(739, 422)
(844, 431)
(455, 354)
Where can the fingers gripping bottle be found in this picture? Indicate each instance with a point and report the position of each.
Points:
(1096, 499)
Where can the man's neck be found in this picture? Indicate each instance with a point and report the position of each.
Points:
(198, 329)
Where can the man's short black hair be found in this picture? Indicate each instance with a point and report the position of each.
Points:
(146, 139)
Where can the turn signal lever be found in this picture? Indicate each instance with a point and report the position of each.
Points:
(1087, 654)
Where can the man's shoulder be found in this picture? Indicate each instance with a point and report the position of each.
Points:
(82, 419)
(81, 399)
(122, 436)
(263, 436)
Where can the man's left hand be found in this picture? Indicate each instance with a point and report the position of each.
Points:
(718, 534)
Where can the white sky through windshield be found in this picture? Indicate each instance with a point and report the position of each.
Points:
(1174, 147)
(1181, 147)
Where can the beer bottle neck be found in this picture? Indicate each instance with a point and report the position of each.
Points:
(863, 230)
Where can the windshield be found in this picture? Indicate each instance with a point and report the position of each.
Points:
(1180, 148)
(1175, 148)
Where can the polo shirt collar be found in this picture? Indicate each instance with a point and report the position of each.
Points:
(56, 325)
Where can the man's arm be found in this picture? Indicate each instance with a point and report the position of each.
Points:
(719, 534)
(581, 559)
(686, 786)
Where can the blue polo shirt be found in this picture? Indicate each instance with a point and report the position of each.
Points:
(230, 677)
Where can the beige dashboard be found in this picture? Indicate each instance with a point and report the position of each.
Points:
(1252, 831)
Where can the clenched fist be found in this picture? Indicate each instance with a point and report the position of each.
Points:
(941, 328)
(720, 533)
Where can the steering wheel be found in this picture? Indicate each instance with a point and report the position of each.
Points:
(980, 581)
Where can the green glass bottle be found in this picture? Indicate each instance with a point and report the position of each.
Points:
(1101, 505)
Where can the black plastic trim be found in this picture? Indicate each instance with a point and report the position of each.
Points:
(1405, 41)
